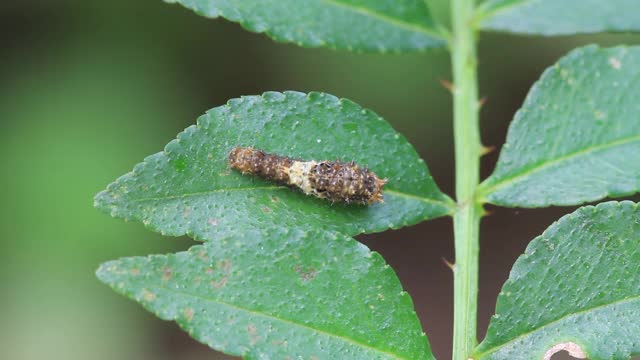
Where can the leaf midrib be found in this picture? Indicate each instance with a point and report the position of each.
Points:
(486, 191)
(386, 18)
(553, 322)
(275, 187)
(283, 320)
(486, 12)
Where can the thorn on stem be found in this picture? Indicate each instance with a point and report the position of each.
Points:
(487, 150)
(449, 264)
(447, 85)
(482, 101)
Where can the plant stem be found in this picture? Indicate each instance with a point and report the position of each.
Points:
(468, 150)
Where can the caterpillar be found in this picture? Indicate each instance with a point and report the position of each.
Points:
(335, 181)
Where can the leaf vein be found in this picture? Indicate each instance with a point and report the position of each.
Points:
(386, 18)
(487, 10)
(286, 321)
(272, 187)
(550, 323)
(484, 190)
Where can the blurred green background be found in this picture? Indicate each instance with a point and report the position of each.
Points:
(88, 88)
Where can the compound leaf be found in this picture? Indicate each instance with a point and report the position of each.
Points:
(190, 189)
(565, 17)
(577, 136)
(577, 288)
(279, 294)
(358, 25)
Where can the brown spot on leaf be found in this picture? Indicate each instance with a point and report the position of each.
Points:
(188, 314)
(218, 284)
(224, 265)
(202, 255)
(282, 343)
(166, 274)
(148, 295)
(572, 348)
(253, 334)
(135, 271)
(307, 274)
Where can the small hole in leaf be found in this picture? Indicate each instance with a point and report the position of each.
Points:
(565, 351)
(563, 355)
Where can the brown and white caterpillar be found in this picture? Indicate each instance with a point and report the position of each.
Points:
(335, 181)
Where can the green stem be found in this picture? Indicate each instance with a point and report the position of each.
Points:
(468, 150)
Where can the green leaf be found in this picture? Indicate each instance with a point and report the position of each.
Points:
(357, 25)
(561, 17)
(577, 286)
(577, 136)
(190, 189)
(567, 17)
(277, 294)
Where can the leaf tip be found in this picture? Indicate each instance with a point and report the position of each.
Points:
(101, 199)
(104, 271)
